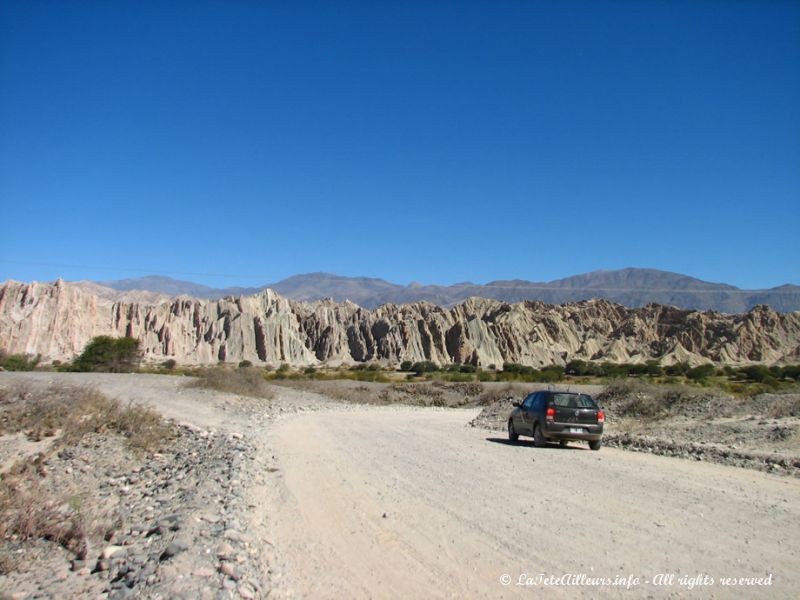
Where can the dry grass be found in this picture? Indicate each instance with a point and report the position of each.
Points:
(70, 412)
(433, 393)
(632, 398)
(66, 413)
(29, 513)
(785, 406)
(245, 381)
(496, 393)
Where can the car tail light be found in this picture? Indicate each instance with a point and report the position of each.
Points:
(551, 413)
(601, 416)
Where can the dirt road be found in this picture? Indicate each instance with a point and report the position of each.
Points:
(389, 502)
(463, 508)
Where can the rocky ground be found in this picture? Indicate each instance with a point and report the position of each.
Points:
(173, 523)
(228, 506)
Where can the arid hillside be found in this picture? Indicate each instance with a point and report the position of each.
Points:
(57, 320)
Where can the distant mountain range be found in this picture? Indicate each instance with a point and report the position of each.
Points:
(629, 287)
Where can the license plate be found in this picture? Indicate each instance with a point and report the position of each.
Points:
(576, 430)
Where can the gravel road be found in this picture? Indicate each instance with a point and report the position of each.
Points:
(397, 502)
(463, 508)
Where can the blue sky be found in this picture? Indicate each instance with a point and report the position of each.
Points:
(237, 143)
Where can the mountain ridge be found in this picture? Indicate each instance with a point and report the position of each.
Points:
(57, 320)
(631, 287)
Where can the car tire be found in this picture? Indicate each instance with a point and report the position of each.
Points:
(512, 433)
(563, 443)
(595, 445)
(538, 437)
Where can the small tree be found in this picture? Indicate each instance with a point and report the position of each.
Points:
(701, 372)
(425, 366)
(104, 353)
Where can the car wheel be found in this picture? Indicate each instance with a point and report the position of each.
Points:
(563, 443)
(595, 445)
(538, 437)
(512, 433)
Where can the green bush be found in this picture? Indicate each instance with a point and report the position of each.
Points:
(701, 372)
(791, 372)
(245, 364)
(424, 366)
(19, 362)
(406, 365)
(757, 373)
(107, 354)
(678, 369)
(576, 367)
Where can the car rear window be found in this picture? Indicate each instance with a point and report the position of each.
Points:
(573, 401)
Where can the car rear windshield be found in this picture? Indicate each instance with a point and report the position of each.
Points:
(573, 401)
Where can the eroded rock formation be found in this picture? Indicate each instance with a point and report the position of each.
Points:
(57, 320)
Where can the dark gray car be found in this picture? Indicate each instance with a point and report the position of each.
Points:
(563, 416)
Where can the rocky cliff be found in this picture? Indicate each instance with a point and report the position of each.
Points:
(57, 320)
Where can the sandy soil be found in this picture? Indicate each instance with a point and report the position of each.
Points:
(399, 502)
(463, 508)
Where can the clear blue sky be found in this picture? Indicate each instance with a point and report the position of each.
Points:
(243, 142)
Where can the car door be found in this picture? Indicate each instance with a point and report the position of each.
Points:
(526, 414)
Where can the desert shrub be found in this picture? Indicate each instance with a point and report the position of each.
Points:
(517, 372)
(495, 394)
(631, 398)
(517, 368)
(170, 364)
(549, 374)
(791, 372)
(576, 367)
(406, 365)
(367, 375)
(104, 353)
(245, 364)
(71, 412)
(246, 381)
(68, 414)
(487, 375)
(701, 372)
(425, 366)
(654, 369)
(757, 373)
(785, 406)
(19, 362)
(454, 376)
(27, 512)
(677, 369)
(634, 398)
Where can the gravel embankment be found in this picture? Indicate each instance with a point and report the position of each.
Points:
(172, 522)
